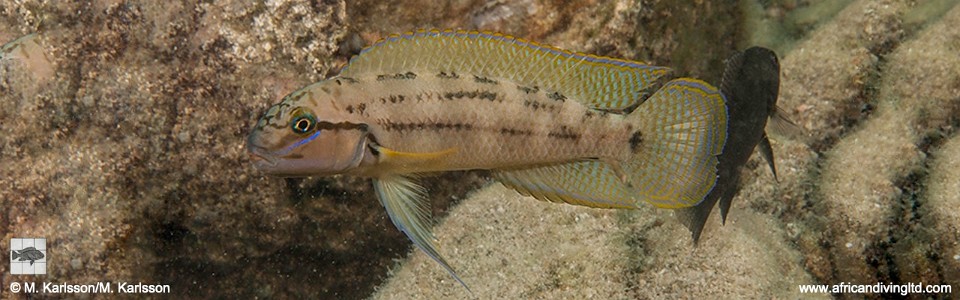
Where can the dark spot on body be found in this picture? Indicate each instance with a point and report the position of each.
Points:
(484, 80)
(483, 95)
(557, 96)
(407, 75)
(590, 114)
(536, 105)
(349, 80)
(531, 104)
(455, 95)
(361, 107)
(450, 75)
(514, 131)
(565, 133)
(635, 140)
(393, 99)
(528, 90)
(487, 95)
(349, 109)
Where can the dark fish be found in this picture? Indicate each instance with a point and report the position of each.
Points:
(750, 83)
(28, 253)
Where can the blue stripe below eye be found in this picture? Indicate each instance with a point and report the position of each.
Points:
(300, 143)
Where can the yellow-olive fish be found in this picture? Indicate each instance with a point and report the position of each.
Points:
(556, 125)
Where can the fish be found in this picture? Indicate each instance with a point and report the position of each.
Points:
(751, 84)
(553, 124)
(28, 253)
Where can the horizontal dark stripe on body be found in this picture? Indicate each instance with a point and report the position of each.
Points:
(563, 132)
(484, 80)
(407, 75)
(477, 94)
(448, 75)
(436, 126)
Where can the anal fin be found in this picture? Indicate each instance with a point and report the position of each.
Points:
(405, 202)
(590, 183)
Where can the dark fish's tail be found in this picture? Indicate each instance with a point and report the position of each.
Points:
(16, 254)
(751, 82)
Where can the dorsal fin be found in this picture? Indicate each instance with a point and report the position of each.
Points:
(598, 82)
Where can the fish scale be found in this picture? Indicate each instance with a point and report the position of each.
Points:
(489, 142)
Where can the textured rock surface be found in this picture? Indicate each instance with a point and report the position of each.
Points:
(121, 143)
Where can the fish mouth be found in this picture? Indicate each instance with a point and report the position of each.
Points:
(261, 158)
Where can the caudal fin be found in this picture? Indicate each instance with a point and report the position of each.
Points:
(680, 130)
(678, 133)
(16, 254)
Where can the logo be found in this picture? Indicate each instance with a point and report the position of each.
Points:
(28, 256)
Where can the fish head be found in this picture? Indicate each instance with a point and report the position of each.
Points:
(308, 134)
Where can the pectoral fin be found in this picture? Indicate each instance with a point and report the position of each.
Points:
(781, 125)
(405, 203)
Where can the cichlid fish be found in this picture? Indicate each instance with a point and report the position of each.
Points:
(28, 253)
(751, 83)
(557, 125)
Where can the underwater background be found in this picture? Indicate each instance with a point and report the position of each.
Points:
(122, 126)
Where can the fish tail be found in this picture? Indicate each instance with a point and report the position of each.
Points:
(679, 133)
(16, 254)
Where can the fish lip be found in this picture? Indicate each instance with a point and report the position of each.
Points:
(261, 157)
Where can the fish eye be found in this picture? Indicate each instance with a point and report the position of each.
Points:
(303, 124)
